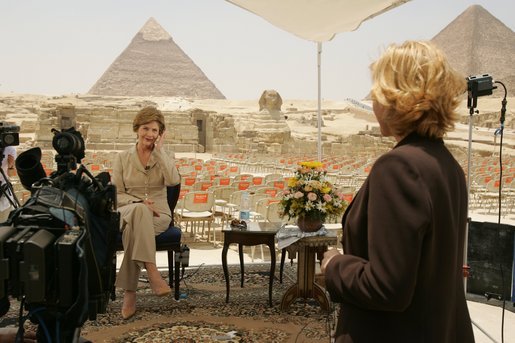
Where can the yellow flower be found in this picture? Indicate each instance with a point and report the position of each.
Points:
(310, 194)
(311, 164)
(292, 182)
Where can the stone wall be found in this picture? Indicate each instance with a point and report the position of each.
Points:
(110, 128)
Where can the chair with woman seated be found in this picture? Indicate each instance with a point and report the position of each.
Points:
(169, 240)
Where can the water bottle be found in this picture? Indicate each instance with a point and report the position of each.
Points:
(245, 207)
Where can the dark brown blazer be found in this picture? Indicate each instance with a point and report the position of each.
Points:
(400, 279)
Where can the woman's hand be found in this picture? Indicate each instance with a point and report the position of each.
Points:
(328, 255)
(160, 141)
(150, 205)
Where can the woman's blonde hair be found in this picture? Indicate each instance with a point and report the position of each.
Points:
(146, 115)
(418, 88)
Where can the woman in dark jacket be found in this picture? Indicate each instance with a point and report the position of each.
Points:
(400, 277)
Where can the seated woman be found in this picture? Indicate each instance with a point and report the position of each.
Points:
(141, 175)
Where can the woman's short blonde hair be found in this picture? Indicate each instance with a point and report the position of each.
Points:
(418, 88)
(147, 115)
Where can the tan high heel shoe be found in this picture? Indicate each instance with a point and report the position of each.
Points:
(129, 304)
(160, 290)
(157, 284)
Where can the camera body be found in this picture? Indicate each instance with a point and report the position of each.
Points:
(478, 85)
(39, 253)
(57, 250)
(70, 148)
(9, 135)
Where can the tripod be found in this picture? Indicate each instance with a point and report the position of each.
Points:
(6, 189)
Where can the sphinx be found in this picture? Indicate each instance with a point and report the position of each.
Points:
(268, 125)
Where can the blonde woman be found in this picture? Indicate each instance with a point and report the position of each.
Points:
(141, 175)
(400, 278)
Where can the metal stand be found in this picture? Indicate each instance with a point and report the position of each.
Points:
(466, 268)
(478, 85)
(7, 187)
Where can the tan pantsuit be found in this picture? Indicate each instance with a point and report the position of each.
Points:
(135, 183)
(138, 227)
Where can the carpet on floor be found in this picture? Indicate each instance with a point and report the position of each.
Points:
(202, 314)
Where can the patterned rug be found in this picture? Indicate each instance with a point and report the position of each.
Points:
(202, 315)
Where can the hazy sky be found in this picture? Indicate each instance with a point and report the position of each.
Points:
(61, 47)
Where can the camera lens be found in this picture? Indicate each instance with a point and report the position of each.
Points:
(9, 140)
(66, 143)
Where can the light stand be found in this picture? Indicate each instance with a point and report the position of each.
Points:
(478, 85)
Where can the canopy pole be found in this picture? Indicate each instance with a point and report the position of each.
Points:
(319, 116)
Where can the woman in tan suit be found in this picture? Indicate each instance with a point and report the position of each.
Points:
(141, 175)
(401, 277)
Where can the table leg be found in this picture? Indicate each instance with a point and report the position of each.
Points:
(306, 287)
(226, 270)
(242, 267)
(290, 296)
(283, 257)
(271, 246)
(320, 296)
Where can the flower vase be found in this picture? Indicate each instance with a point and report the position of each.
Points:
(309, 224)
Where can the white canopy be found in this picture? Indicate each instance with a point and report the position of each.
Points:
(318, 21)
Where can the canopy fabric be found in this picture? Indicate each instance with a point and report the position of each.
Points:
(317, 20)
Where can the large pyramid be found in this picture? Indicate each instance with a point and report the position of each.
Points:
(153, 65)
(477, 43)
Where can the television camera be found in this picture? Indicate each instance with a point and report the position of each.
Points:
(9, 135)
(57, 249)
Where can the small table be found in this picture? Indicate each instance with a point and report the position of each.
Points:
(255, 234)
(306, 287)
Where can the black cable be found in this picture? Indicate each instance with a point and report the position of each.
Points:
(195, 272)
(184, 278)
(503, 286)
(302, 329)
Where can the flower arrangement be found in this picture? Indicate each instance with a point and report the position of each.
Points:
(310, 195)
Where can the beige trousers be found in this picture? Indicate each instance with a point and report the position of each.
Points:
(139, 228)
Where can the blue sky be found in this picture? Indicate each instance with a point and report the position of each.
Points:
(61, 47)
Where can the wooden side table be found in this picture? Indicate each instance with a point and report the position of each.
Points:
(306, 287)
(256, 233)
